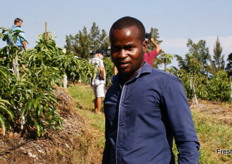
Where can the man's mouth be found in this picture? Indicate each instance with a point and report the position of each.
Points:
(123, 64)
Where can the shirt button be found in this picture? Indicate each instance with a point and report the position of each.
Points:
(121, 124)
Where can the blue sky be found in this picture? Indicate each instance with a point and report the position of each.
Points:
(176, 20)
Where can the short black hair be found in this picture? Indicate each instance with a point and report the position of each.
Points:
(17, 20)
(126, 22)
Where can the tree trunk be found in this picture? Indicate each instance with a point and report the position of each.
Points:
(192, 85)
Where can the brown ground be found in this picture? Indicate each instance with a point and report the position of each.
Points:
(75, 144)
(72, 145)
(217, 112)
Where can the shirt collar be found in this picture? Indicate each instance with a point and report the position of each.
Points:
(145, 69)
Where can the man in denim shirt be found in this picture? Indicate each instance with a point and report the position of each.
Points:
(145, 108)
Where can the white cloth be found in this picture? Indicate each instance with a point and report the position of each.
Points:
(97, 80)
(99, 90)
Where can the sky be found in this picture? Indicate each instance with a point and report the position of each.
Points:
(176, 20)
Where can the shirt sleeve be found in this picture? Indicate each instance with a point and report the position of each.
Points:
(150, 56)
(101, 64)
(181, 123)
(153, 54)
(22, 38)
(106, 153)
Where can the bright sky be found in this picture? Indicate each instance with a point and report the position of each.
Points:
(176, 20)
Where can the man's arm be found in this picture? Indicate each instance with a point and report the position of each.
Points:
(102, 73)
(158, 49)
(24, 44)
(181, 123)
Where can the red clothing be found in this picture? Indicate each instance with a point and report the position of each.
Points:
(150, 56)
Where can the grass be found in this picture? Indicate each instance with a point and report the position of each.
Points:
(84, 97)
(212, 134)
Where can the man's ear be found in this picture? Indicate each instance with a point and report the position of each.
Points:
(144, 46)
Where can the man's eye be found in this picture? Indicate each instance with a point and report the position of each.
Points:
(128, 47)
(115, 49)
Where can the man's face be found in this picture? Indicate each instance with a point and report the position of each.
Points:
(19, 24)
(101, 56)
(127, 50)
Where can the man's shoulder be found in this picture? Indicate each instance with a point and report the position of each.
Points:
(14, 28)
(94, 59)
(160, 74)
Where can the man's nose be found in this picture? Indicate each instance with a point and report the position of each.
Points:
(122, 53)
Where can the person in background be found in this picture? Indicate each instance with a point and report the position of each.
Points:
(148, 56)
(142, 118)
(98, 81)
(20, 42)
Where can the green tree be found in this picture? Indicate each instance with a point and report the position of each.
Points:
(154, 34)
(218, 62)
(229, 65)
(84, 43)
(218, 87)
(198, 53)
(193, 68)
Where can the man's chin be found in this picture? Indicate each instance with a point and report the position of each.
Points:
(124, 71)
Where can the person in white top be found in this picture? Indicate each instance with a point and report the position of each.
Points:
(98, 82)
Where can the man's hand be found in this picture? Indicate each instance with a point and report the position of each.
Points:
(158, 49)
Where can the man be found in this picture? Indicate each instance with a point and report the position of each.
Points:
(145, 108)
(20, 42)
(98, 82)
(150, 56)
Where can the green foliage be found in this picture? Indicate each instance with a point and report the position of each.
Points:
(218, 57)
(200, 53)
(5, 110)
(194, 73)
(109, 67)
(154, 34)
(84, 43)
(229, 65)
(219, 87)
(216, 88)
(6, 113)
(218, 62)
(77, 69)
(29, 99)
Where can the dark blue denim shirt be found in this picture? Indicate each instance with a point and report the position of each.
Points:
(142, 118)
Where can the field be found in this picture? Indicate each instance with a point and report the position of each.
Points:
(81, 140)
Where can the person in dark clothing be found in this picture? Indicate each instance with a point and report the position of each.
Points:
(145, 108)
